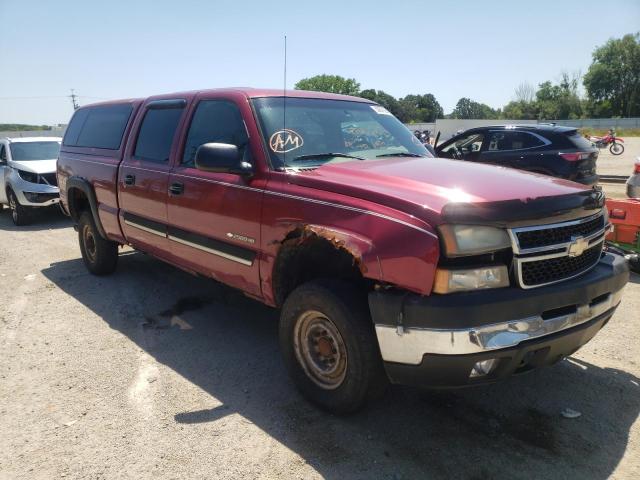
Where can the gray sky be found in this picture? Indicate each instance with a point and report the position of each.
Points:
(118, 49)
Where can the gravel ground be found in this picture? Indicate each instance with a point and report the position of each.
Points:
(619, 164)
(152, 373)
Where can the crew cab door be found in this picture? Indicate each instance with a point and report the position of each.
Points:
(143, 177)
(214, 217)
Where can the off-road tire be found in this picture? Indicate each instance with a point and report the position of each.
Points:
(346, 308)
(616, 149)
(100, 256)
(19, 213)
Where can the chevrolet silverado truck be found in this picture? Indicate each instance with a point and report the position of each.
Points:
(386, 264)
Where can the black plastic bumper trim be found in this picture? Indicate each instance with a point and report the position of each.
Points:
(483, 307)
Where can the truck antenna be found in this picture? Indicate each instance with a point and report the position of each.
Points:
(284, 99)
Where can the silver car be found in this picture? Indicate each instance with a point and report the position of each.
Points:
(633, 184)
(28, 175)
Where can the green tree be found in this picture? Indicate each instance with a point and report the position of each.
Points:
(419, 108)
(520, 110)
(561, 101)
(383, 98)
(613, 79)
(329, 84)
(469, 109)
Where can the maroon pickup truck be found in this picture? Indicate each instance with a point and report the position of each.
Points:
(386, 263)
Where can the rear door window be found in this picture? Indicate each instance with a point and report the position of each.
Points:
(98, 127)
(499, 141)
(156, 134)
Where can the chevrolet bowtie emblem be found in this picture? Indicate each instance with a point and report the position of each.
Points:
(577, 246)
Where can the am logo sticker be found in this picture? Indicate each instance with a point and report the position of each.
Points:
(285, 140)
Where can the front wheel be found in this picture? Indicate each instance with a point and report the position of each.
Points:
(100, 256)
(329, 345)
(616, 148)
(19, 213)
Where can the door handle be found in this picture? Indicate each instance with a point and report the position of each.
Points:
(176, 188)
(129, 179)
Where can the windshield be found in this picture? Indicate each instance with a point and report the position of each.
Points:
(313, 132)
(21, 151)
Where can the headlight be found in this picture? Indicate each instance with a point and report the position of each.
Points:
(460, 280)
(461, 240)
(28, 176)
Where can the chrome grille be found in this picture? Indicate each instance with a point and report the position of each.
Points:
(547, 254)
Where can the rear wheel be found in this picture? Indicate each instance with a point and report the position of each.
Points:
(329, 345)
(100, 256)
(616, 148)
(19, 213)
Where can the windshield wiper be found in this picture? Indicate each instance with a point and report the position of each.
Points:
(313, 156)
(400, 154)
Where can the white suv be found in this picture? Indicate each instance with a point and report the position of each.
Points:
(28, 174)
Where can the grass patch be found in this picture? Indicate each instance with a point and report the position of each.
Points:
(601, 132)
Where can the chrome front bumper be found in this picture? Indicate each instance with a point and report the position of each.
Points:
(410, 345)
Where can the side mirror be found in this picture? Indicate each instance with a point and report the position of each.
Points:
(221, 158)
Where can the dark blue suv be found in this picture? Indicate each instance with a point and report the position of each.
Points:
(547, 149)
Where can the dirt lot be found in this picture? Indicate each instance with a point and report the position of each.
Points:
(621, 164)
(152, 373)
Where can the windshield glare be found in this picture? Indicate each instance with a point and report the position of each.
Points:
(312, 127)
(22, 151)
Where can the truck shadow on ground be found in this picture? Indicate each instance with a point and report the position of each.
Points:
(48, 218)
(227, 345)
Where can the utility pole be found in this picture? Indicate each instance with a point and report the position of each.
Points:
(73, 97)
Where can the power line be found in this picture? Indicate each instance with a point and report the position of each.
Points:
(38, 97)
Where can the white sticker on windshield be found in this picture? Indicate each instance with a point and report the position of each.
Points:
(380, 110)
(285, 140)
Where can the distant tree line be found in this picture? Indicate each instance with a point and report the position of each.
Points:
(612, 89)
(21, 127)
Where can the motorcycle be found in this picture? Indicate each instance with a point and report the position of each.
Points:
(615, 143)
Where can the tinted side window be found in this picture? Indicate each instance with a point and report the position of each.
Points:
(156, 134)
(98, 127)
(512, 141)
(467, 144)
(216, 121)
(3, 153)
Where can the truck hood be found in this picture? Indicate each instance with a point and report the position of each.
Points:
(424, 187)
(35, 166)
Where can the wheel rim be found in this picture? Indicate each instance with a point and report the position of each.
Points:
(615, 148)
(89, 243)
(320, 350)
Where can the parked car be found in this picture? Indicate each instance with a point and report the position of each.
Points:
(633, 183)
(28, 175)
(547, 149)
(385, 263)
